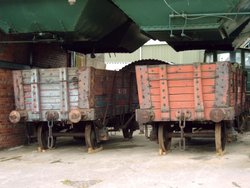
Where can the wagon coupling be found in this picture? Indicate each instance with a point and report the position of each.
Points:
(52, 115)
(182, 116)
(50, 136)
(15, 116)
(75, 116)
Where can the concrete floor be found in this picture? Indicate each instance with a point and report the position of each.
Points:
(131, 164)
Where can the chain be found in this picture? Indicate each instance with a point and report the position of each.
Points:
(182, 142)
(50, 137)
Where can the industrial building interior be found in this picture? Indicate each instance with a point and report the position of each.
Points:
(124, 93)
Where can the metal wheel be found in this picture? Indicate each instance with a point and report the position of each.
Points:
(90, 137)
(164, 139)
(220, 138)
(241, 123)
(127, 133)
(42, 137)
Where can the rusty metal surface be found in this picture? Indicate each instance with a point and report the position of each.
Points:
(222, 89)
(64, 93)
(84, 87)
(144, 116)
(198, 93)
(35, 95)
(18, 88)
(164, 93)
(143, 87)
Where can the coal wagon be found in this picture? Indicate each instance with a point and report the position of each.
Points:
(190, 100)
(75, 102)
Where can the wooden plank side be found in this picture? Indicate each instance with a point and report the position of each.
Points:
(208, 67)
(181, 97)
(49, 87)
(46, 73)
(156, 98)
(208, 89)
(180, 83)
(51, 106)
(99, 82)
(180, 69)
(154, 91)
(181, 90)
(180, 76)
(48, 93)
(209, 104)
(211, 75)
(208, 82)
(156, 104)
(182, 105)
(154, 84)
(209, 96)
(49, 100)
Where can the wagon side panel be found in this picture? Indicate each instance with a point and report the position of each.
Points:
(165, 91)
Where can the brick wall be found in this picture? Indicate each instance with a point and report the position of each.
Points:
(15, 53)
(49, 56)
(10, 134)
(45, 56)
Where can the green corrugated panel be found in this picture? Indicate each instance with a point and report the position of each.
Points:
(87, 18)
(23, 16)
(154, 15)
(190, 24)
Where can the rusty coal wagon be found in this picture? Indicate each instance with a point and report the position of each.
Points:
(75, 102)
(190, 100)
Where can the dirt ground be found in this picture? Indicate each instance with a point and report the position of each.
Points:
(131, 164)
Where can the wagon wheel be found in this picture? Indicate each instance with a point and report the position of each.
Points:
(90, 139)
(127, 133)
(241, 123)
(130, 128)
(164, 139)
(220, 137)
(42, 137)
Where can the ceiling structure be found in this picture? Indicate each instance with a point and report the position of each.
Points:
(92, 26)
